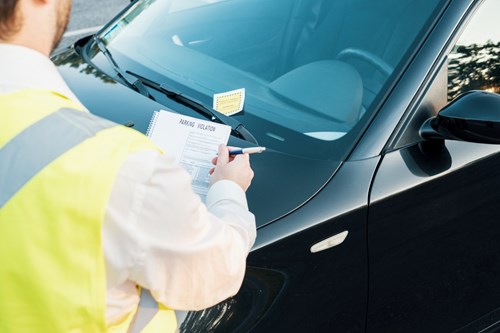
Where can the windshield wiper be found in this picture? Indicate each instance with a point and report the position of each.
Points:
(237, 128)
(136, 84)
(140, 82)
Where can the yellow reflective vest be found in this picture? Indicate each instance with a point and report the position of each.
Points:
(58, 164)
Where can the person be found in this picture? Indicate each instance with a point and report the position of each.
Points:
(91, 212)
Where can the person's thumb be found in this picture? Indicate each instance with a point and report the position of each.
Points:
(223, 155)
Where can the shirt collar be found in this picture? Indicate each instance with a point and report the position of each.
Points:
(25, 68)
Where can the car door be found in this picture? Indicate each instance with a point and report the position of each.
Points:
(434, 214)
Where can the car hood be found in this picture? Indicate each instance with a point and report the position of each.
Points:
(282, 182)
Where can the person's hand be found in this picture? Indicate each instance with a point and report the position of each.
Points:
(236, 168)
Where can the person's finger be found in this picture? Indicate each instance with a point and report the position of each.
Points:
(242, 157)
(223, 155)
(211, 171)
(214, 160)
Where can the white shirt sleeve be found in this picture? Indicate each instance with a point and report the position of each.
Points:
(158, 234)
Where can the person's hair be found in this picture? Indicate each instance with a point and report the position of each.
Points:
(9, 18)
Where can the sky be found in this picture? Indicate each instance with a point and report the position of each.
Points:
(484, 26)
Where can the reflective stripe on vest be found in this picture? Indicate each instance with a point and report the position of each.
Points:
(41, 143)
(36, 149)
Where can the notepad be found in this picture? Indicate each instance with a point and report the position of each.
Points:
(191, 141)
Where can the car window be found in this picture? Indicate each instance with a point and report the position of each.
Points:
(312, 70)
(474, 63)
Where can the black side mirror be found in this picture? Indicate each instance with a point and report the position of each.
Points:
(473, 116)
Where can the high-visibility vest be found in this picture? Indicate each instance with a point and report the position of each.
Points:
(58, 164)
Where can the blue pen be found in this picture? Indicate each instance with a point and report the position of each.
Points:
(250, 150)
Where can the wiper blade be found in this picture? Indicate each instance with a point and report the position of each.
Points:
(237, 128)
(136, 84)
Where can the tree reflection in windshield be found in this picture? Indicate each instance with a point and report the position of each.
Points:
(73, 60)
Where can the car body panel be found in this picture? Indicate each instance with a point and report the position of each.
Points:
(284, 276)
(433, 238)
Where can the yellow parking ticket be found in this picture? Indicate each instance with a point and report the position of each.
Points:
(230, 102)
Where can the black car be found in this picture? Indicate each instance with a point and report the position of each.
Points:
(378, 197)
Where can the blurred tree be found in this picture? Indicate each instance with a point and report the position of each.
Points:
(474, 67)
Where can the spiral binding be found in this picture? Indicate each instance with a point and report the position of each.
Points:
(152, 123)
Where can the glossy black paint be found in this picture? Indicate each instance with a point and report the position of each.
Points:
(422, 253)
(285, 278)
(105, 97)
(433, 238)
(471, 117)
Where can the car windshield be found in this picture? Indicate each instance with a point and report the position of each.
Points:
(313, 71)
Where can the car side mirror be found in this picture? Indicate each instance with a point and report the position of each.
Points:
(473, 116)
